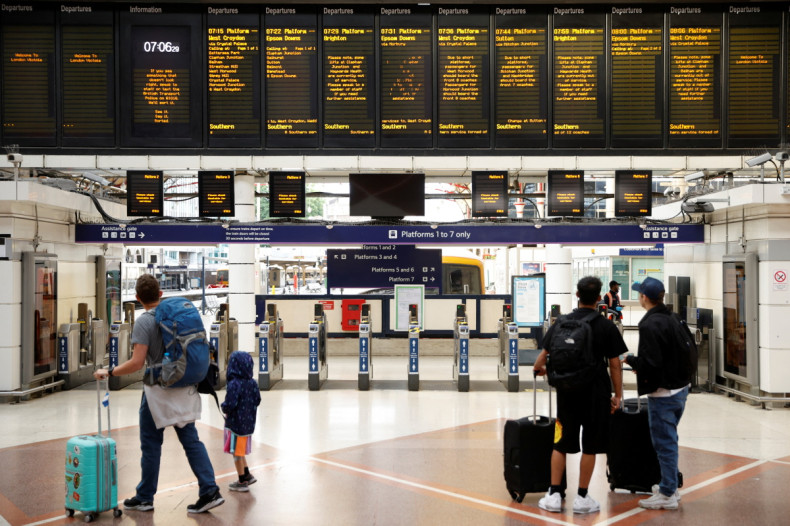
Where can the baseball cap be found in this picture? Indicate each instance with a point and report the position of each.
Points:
(613, 283)
(650, 287)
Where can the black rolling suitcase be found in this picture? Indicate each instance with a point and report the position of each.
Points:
(529, 442)
(631, 461)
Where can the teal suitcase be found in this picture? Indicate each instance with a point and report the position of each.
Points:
(92, 470)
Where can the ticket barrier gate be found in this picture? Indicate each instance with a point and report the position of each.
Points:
(365, 355)
(81, 346)
(414, 349)
(270, 344)
(223, 340)
(461, 349)
(316, 338)
(507, 332)
(120, 349)
(613, 316)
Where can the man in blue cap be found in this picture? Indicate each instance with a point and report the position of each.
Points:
(662, 374)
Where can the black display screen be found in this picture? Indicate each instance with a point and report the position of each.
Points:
(234, 79)
(637, 109)
(386, 195)
(694, 79)
(88, 78)
(565, 193)
(579, 80)
(349, 80)
(216, 197)
(291, 78)
(633, 193)
(29, 64)
(405, 44)
(489, 194)
(286, 194)
(521, 83)
(161, 87)
(145, 193)
(463, 65)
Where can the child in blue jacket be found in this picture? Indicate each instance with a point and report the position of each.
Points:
(242, 398)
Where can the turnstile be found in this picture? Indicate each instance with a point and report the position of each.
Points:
(365, 356)
(120, 349)
(507, 332)
(414, 349)
(224, 340)
(700, 322)
(461, 349)
(270, 339)
(316, 339)
(79, 353)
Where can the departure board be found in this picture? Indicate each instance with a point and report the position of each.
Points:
(489, 194)
(463, 75)
(565, 193)
(216, 197)
(87, 76)
(234, 78)
(521, 83)
(28, 76)
(286, 194)
(754, 106)
(633, 193)
(694, 78)
(349, 78)
(405, 44)
(637, 78)
(161, 87)
(291, 77)
(145, 193)
(579, 79)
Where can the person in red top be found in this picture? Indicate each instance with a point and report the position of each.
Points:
(612, 300)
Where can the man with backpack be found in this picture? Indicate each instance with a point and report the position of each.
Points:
(663, 371)
(163, 407)
(577, 350)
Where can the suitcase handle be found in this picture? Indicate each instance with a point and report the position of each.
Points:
(535, 396)
(106, 402)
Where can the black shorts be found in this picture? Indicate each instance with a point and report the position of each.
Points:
(583, 411)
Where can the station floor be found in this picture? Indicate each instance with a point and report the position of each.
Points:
(388, 456)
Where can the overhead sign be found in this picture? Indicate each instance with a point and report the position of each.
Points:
(383, 266)
(633, 193)
(565, 193)
(215, 194)
(145, 195)
(489, 194)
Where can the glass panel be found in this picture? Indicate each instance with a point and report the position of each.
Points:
(45, 321)
(735, 318)
(620, 273)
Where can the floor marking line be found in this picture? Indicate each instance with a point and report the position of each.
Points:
(454, 495)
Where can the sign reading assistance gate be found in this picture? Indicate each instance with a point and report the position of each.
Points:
(383, 266)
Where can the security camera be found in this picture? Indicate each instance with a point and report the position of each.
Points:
(14, 158)
(672, 191)
(696, 175)
(782, 156)
(760, 159)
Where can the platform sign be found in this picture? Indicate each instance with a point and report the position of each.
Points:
(216, 196)
(489, 194)
(384, 266)
(145, 194)
(633, 193)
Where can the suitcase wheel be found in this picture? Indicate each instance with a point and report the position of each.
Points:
(117, 512)
(89, 517)
(69, 512)
(521, 498)
(611, 487)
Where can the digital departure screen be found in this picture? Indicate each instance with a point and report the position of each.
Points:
(694, 79)
(463, 67)
(753, 100)
(291, 78)
(144, 193)
(349, 79)
(521, 83)
(216, 197)
(633, 193)
(579, 80)
(637, 100)
(161, 85)
(489, 194)
(234, 79)
(286, 194)
(405, 44)
(28, 81)
(565, 193)
(88, 78)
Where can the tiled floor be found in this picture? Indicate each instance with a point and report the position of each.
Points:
(389, 456)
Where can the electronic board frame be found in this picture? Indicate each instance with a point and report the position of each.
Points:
(216, 193)
(287, 196)
(565, 193)
(633, 193)
(489, 193)
(142, 182)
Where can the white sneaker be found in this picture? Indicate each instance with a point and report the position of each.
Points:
(551, 502)
(655, 491)
(585, 504)
(660, 501)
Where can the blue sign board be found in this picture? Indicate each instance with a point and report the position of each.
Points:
(113, 350)
(463, 356)
(263, 352)
(312, 342)
(414, 349)
(63, 355)
(381, 266)
(364, 342)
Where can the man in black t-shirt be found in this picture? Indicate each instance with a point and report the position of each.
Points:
(586, 409)
(612, 300)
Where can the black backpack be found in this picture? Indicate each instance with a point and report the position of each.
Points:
(571, 363)
(687, 348)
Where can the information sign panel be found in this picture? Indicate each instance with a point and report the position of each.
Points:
(286, 194)
(489, 194)
(633, 191)
(565, 191)
(144, 193)
(216, 194)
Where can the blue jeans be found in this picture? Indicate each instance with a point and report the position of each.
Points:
(664, 414)
(151, 440)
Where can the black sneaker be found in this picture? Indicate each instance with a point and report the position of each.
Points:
(136, 504)
(249, 479)
(206, 502)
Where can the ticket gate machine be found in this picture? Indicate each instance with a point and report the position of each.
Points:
(365, 354)
(316, 339)
(414, 349)
(507, 332)
(461, 349)
(81, 348)
(700, 322)
(223, 340)
(270, 345)
(120, 349)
